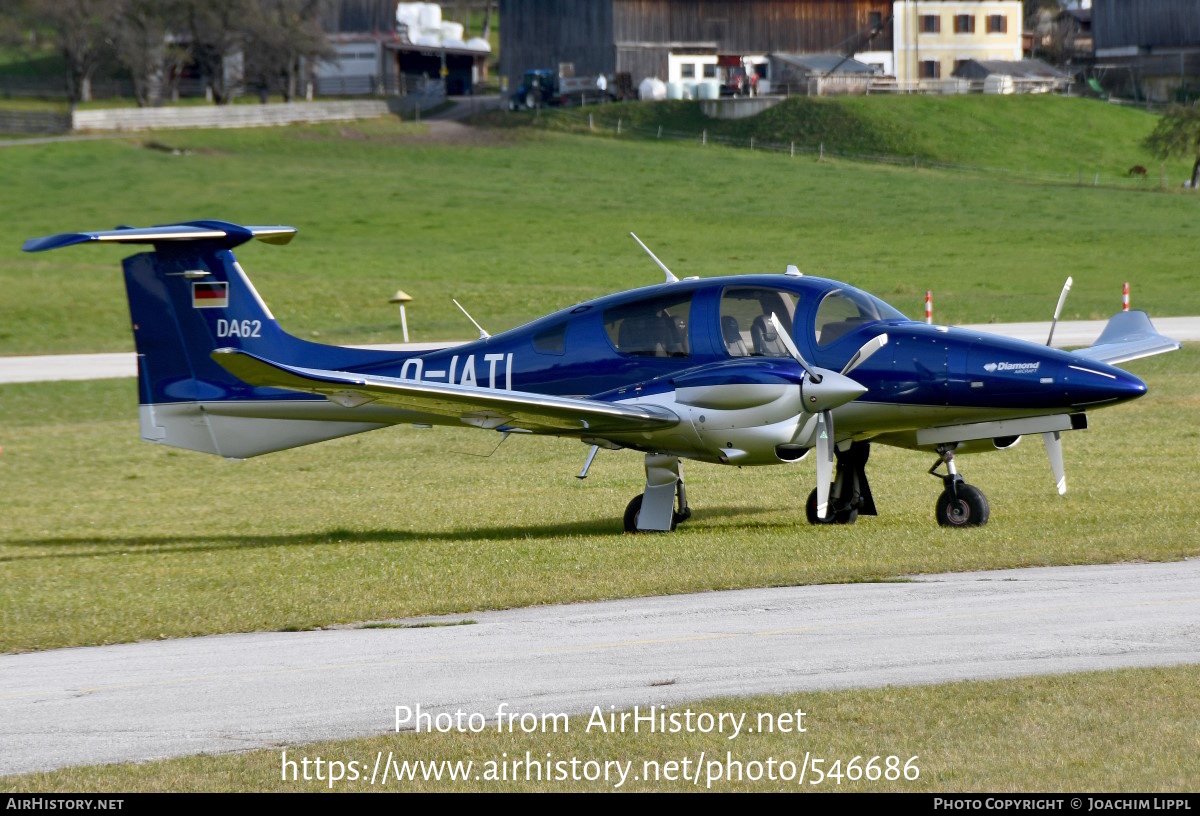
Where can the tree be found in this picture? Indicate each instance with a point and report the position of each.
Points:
(280, 36)
(487, 19)
(215, 29)
(1178, 134)
(141, 46)
(85, 29)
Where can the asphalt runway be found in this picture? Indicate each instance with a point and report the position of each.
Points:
(234, 692)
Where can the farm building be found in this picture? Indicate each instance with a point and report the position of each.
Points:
(819, 74)
(646, 38)
(1006, 77)
(1150, 47)
(918, 42)
(383, 46)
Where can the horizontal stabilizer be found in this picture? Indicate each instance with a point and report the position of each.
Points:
(1128, 336)
(491, 408)
(221, 232)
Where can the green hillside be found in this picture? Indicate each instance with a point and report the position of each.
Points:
(1025, 134)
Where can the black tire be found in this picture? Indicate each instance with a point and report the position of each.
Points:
(634, 509)
(970, 509)
(842, 517)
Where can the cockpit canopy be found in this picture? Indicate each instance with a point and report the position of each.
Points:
(843, 310)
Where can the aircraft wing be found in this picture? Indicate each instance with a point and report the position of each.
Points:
(481, 407)
(1128, 336)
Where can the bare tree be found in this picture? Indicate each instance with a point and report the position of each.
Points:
(85, 30)
(487, 19)
(281, 37)
(216, 30)
(141, 46)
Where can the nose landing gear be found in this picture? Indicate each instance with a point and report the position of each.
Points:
(961, 504)
(850, 494)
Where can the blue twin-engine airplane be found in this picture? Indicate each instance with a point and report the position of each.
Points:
(745, 370)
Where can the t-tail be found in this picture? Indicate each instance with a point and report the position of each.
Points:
(189, 297)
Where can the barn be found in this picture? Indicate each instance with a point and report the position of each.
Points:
(652, 37)
(1148, 47)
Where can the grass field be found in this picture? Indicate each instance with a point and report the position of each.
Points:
(108, 539)
(1132, 730)
(516, 222)
(1025, 134)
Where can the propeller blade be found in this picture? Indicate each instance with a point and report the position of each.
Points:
(868, 348)
(824, 461)
(1058, 309)
(786, 339)
(1053, 442)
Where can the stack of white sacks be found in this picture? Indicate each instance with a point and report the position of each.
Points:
(422, 22)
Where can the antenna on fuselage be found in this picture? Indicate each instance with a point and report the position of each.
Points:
(670, 275)
(482, 334)
(1058, 309)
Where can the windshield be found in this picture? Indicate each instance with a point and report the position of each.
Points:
(844, 310)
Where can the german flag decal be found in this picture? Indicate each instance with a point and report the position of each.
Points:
(210, 295)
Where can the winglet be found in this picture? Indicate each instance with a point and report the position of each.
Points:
(1128, 336)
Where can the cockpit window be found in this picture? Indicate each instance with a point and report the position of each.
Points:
(746, 328)
(651, 328)
(844, 310)
(550, 341)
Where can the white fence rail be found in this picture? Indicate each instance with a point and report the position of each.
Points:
(226, 116)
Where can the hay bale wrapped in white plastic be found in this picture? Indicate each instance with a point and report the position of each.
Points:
(431, 17)
(674, 90)
(708, 89)
(652, 89)
(479, 44)
(452, 32)
(408, 17)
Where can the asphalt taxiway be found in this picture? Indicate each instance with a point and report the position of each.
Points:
(223, 693)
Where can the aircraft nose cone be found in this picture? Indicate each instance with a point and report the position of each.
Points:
(833, 390)
(1128, 386)
(1089, 382)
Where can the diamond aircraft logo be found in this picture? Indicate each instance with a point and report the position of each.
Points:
(1016, 368)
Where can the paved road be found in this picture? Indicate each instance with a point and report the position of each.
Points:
(233, 692)
(101, 366)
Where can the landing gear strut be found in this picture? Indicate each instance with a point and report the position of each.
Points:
(850, 494)
(664, 503)
(961, 504)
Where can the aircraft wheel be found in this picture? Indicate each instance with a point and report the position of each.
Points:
(634, 509)
(841, 517)
(970, 509)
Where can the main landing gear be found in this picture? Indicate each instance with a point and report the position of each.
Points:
(664, 503)
(850, 494)
(961, 504)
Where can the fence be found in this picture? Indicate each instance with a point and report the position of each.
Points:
(34, 122)
(580, 121)
(226, 116)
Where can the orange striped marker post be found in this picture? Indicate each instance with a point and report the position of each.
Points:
(1125, 297)
(929, 306)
